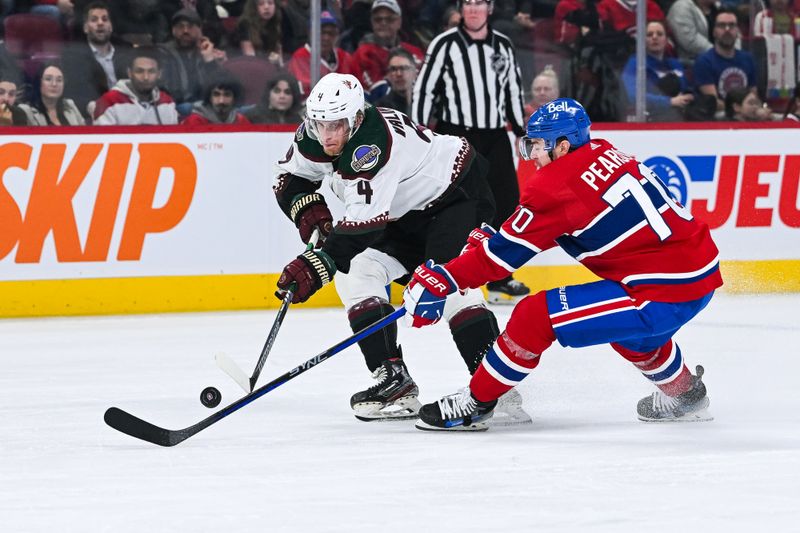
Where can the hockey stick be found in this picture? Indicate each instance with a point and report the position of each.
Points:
(227, 365)
(136, 427)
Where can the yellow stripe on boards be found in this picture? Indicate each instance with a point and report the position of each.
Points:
(165, 294)
(162, 294)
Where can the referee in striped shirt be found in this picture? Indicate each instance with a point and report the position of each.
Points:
(471, 84)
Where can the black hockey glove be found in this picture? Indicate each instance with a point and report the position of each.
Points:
(310, 212)
(309, 272)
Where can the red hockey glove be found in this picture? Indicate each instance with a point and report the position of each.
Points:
(477, 236)
(426, 294)
(309, 272)
(310, 212)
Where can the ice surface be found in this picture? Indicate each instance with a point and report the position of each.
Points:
(297, 460)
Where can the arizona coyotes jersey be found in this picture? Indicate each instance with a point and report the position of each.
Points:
(389, 167)
(615, 216)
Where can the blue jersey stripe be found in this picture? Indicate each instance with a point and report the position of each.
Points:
(493, 360)
(512, 253)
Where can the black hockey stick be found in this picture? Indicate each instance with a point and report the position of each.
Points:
(227, 365)
(141, 429)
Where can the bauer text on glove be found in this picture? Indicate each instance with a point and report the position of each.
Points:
(426, 294)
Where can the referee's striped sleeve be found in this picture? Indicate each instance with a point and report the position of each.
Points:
(429, 77)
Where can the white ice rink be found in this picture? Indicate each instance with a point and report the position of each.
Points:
(297, 460)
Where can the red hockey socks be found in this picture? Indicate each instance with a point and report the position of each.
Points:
(663, 366)
(516, 352)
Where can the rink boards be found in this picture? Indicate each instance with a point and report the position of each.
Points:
(113, 220)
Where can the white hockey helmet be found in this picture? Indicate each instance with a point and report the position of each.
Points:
(335, 97)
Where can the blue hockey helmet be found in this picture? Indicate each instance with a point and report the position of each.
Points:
(563, 117)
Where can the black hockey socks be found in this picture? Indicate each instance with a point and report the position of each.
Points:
(381, 345)
(474, 329)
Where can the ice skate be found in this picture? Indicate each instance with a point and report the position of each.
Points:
(506, 292)
(691, 406)
(509, 411)
(394, 397)
(456, 412)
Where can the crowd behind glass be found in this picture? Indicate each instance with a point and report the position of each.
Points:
(198, 62)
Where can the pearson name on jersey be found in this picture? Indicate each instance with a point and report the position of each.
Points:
(615, 216)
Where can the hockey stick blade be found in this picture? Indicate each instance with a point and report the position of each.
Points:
(227, 365)
(129, 424)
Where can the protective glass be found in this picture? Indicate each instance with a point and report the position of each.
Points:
(530, 148)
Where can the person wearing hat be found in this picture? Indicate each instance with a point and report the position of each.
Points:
(372, 54)
(332, 58)
(189, 60)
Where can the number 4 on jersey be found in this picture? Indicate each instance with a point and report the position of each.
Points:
(365, 189)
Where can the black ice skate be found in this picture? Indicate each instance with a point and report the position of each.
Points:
(506, 291)
(394, 397)
(456, 412)
(687, 407)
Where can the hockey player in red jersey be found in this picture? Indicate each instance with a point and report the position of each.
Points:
(659, 268)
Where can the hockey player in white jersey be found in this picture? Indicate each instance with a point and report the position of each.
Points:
(408, 194)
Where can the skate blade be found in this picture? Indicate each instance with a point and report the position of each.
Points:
(499, 298)
(698, 416)
(516, 417)
(402, 409)
(478, 426)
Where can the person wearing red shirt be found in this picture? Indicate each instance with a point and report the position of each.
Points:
(218, 105)
(332, 58)
(372, 54)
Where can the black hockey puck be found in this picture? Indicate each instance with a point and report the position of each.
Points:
(210, 397)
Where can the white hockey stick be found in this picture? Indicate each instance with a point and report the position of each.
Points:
(227, 365)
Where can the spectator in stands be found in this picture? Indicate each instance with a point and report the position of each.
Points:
(572, 20)
(222, 95)
(688, 20)
(620, 15)
(259, 31)
(47, 106)
(332, 58)
(295, 14)
(137, 100)
(93, 66)
(281, 102)
(743, 104)
(230, 8)
(723, 67)
(402, 73)
(10, 114)
(189, 60)
(372, 54)
(61, 10)
(668, 92)
(778, 19)
(544, 88)
(140, 22)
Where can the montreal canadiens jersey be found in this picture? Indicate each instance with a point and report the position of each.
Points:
(615, 216)
(389, 167)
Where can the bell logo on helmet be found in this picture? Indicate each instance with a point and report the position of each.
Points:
(555, 106)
